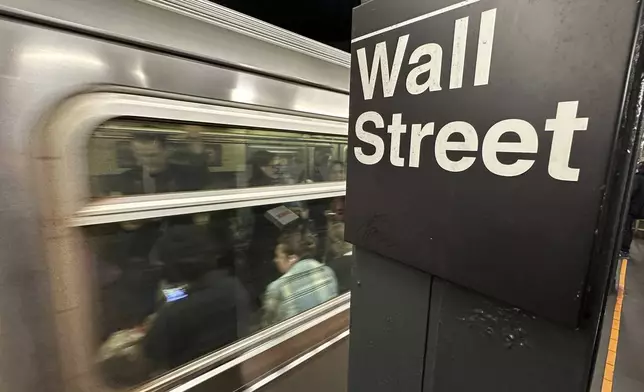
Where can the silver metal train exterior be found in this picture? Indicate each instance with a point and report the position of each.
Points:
(69, 65)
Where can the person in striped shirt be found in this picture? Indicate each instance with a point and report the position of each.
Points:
(305, 282)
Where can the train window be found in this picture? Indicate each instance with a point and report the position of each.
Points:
(175, 288)
(132, 156)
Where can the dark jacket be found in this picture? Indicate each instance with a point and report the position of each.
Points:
(343, 267)
(260, 268)
(214, 314)
(175, 178)
(636, 208)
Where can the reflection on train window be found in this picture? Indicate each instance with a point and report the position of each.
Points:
(176, 288)
(129, 157)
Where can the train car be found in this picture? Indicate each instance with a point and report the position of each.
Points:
(171, 200)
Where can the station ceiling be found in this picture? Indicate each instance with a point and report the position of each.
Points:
(327, 21)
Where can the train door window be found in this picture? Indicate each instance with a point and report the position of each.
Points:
(132, 157)
(177, 288)
(200, 235)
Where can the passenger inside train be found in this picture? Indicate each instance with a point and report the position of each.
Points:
(340, 255)
(305, 282)
(321, 157)
(265, 169)
(337, 171)
(635, 210)
(176, 288)
(202, 306)
(154, 172)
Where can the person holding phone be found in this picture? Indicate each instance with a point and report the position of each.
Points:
(205, 306)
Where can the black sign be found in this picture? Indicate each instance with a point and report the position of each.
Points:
(480, 137)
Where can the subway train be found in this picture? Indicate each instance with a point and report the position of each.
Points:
(171, 200)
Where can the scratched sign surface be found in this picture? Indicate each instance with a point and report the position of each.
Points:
(480, 136)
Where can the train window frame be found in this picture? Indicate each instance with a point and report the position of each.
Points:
(68, 135)
(62, 175)
(139, 207)
(249, 347)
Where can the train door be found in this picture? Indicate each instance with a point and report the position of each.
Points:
(186, 247)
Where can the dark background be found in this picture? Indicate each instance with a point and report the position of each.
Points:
(327, 21)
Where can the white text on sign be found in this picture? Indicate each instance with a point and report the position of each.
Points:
(563, 125)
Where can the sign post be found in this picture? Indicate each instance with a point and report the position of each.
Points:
(488, 145)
